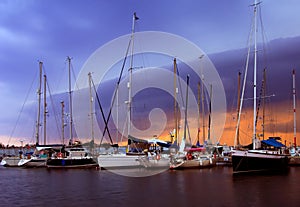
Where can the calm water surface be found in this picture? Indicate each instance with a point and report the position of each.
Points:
(205, 187)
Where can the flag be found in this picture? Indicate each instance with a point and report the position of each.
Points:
(135, 17)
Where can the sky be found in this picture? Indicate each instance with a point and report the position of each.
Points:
(50, 30)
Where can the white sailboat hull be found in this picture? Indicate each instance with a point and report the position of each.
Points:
(33, 162)
(194, 163)
(158, 161)
(118, 161)
(10, 161)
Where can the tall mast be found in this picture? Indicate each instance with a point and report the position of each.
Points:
(209, 114)
(37, 135)
(203, 114)
(129, 84)
(70, 102)
(175, 102)
(186, 105)
(45, 108)
(91, 107)
(264, 104)
(254, 74)
(294, 104)
(63, 121)
(117, 122)
(238, 108)
(244, 84)
(198, 119)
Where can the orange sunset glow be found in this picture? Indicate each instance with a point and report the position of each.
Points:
(278, 123)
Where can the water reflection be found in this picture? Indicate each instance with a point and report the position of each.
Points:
(204, 187)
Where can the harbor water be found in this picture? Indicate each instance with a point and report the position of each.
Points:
(198, 187)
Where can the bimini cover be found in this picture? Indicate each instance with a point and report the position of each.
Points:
(273, 142)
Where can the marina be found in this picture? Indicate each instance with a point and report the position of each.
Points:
(140, 115)
(181, 149)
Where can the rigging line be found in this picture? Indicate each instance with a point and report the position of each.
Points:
(121, 73)
(263, 36)
(75, 87)
(117, 88)
(206, 94)
(208, 104)
(52, 102)
(245, 133)
(269, 96)
(74, 77)
(59, 80)
(22, 108)
(54, 110)
(234, 99)
(72, 73)
(102, 113)
(262, 97)
(124, 126)
(182, 99)
(179, 84)
(259, 100)
(235, 110)
(144, 59)
(244, 81)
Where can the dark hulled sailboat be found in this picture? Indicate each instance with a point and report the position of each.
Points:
(256, 160)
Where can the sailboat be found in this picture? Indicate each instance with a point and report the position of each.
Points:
(12, 160)
(156, 154)
(130, 158)
(41, 152)
(36, 158)
(73, 155)
(197, 157)
(160, 159)
(256, 160)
